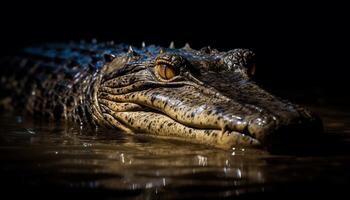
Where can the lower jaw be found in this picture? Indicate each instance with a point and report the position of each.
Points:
(161, 126)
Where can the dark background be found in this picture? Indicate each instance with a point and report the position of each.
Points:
(300, 47)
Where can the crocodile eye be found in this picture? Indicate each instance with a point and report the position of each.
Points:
(165, 71)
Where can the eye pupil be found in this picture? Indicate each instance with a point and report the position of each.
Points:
(169, 72)
(162, 71)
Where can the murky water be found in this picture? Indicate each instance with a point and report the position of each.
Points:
(60, 158)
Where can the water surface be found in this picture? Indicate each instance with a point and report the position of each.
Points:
(37, 157)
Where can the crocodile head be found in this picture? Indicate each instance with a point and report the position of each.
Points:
(201, 96)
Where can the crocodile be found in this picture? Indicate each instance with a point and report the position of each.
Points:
(202, 96)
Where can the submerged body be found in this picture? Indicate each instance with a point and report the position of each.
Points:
(203, 96)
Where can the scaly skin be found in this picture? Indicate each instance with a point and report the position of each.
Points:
(207, 98)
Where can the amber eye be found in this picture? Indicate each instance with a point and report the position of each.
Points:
(165, 71)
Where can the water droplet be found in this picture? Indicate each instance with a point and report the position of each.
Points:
(122, 158)
(30, 131)
(202, 160)
(87, 145)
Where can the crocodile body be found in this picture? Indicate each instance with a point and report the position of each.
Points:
(202, 96)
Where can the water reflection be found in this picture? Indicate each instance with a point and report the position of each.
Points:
(61, 156)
